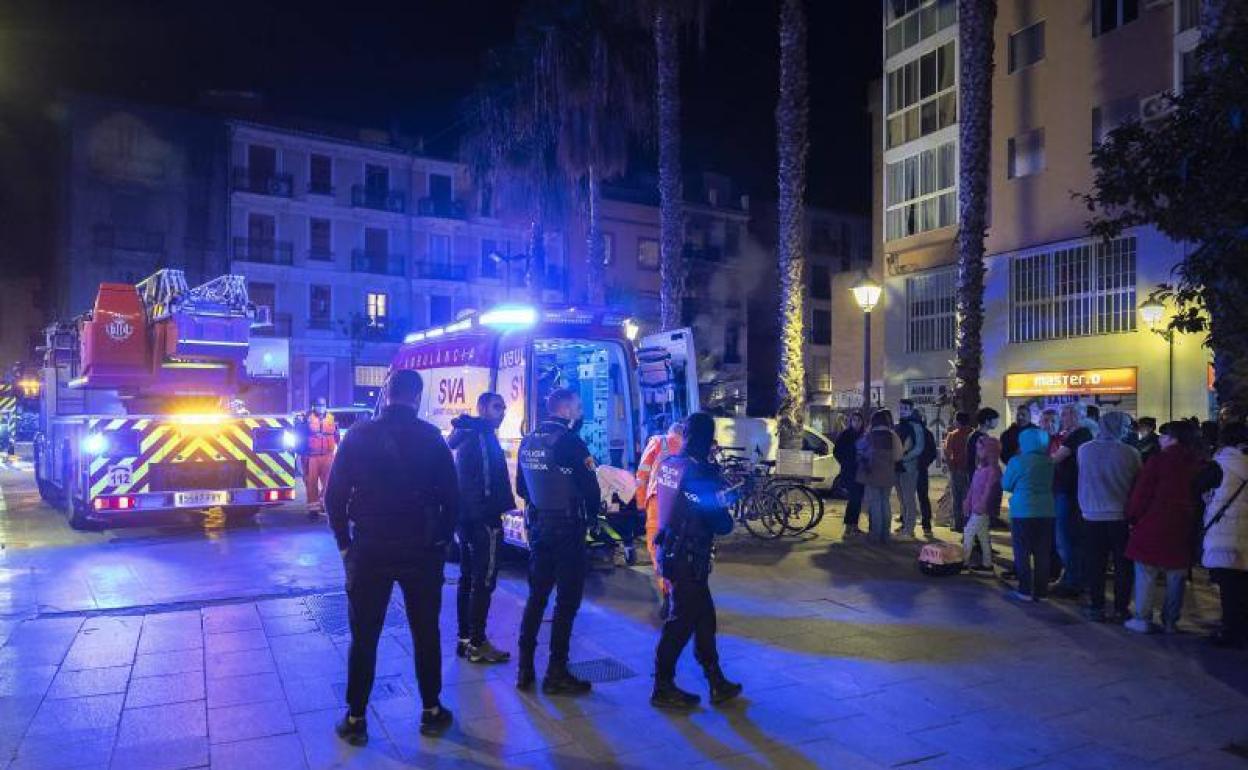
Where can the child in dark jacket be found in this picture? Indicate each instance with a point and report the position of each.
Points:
(983, 504)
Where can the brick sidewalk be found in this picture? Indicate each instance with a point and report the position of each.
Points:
(850, 660)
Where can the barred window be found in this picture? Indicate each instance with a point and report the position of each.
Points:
(1077, 291)
(930, 307)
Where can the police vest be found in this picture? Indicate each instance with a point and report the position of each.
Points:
(550, 484)
(684, 542)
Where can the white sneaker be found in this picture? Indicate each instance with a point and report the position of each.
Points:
(1138, 626)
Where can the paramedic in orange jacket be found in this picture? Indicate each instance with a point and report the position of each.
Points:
(658, 448)
(322, 443)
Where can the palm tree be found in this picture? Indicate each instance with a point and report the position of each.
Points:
(593, 65)
(791, 145)
(975, 42)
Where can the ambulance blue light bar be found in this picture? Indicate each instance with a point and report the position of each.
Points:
(509, 316)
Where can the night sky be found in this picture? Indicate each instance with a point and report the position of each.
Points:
(382, 64)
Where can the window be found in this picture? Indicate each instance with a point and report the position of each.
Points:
(490, 256)
(319, 239)
(441, 310)
(1073, 292)
(319, 306)
(367, 376)
(440, 187)
(608, 248)
(1026, 46)
(376, 241)
(920, 192)
(910, 22)
(377, 308)
(648, 253)
(732, 239)
(1189, 66)
(1111, 14)
(320, 381)
(1189, 14)
(821, 327)
(819, 374)
(440, 249)
(732, 344)
(261, 162)
(376, 178)
(1025, 154)
(921, 96)
(930, 311)
(820, 282)
(812, 443)
(1107, 117)
(320, 174)
(263, 295)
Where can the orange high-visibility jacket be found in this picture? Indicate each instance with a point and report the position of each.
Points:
(322, 434)
(658, 449)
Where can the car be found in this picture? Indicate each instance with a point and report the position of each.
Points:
(756, 438)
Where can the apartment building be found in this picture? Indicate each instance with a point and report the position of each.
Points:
(720, 266)
(1062, 309)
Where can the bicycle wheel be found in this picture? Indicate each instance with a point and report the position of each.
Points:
(798, 506)
(763, 515)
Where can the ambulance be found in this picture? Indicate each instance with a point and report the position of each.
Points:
(631, 389)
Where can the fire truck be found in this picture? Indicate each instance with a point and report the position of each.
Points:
(140, 406)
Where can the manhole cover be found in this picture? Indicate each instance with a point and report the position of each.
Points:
(384, 688)
(601, 670)
(330, 613)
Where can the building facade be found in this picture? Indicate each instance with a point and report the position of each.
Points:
(1062, 320)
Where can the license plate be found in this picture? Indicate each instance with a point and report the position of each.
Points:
(198, 499)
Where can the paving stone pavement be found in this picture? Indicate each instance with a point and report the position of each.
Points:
(849, 657)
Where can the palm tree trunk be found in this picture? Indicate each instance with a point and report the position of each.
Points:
(536, 277)
(671, 188)
(791, 146)
(975, 23)
(594, 246)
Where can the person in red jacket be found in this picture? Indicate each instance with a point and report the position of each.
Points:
(1163, 513)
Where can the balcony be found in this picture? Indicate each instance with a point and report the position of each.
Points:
(247, 180)
(442, 207)
(377, 264)
(281, 327)
(441, 271)
(320, 255)
(320, 188)
(323, 323)
(381, 330)
(264, 251)
(703, 253)
(378, 199)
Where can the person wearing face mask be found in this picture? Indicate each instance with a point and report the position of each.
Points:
(321, 445)
(557, 483)
(1073, 434)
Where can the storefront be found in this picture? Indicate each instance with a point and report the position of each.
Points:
(1109, 389)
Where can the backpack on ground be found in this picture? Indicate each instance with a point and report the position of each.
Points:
(940, 559)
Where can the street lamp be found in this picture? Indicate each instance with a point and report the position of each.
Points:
(866, 294)
(500, 259)
(1153, 313)
(631, 328)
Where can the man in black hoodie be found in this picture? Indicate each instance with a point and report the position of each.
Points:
(484, 495)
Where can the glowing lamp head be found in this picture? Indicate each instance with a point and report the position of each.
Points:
(509, 316)
(94, 444)
(289, 439)
(631, 329)
(1152, 312)
(866, 294)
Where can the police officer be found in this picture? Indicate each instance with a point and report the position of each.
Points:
(557, 482)
(392, 502)
(692, 500)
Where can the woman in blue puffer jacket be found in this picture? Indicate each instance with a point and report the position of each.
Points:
(1029, 480)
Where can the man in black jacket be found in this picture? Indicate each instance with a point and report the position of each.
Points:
(693, 509)
(557, 482)
(484, 494)
(392, 504)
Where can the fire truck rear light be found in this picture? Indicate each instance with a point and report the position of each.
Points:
(289, 494)
(99, 503)
(272, 495)
(125, 502)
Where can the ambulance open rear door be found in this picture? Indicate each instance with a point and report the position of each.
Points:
(667, 376)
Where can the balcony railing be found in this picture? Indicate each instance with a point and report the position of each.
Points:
(320, 322)
(320, 255)
(442, 207)
(382, 330)
(378, 264)
(320, 188)
(442, 271)
(703, 253)
(266, 251)
(248, 180)
(378, 198)
(280, 328)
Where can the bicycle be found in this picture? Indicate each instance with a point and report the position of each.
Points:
(767, 505)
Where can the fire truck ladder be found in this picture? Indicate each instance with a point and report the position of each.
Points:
(166, 291)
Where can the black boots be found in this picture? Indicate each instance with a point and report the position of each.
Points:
(436, 720)
(721, 689)
(667, 695)
(559, 681)
(352, 730)
(525, 674)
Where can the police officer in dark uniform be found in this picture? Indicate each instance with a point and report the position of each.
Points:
(557, 482)
(392, 503)
(693, 499)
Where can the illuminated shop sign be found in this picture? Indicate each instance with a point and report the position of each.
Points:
(1071, 382)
